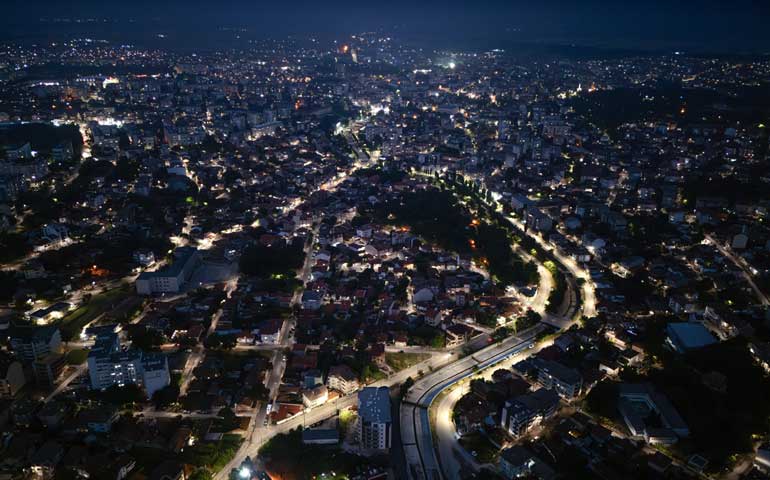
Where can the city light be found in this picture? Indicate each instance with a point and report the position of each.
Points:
(302, 226)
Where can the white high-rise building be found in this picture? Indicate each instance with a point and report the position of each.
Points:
(374, 421)
(108, 365)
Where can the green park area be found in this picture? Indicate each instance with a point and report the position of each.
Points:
(401, 360)
(556, 297)
(462, 224)
(77, 356)
(73, 323)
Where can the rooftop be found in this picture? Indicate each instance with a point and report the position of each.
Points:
(690, 335)
(181, 257)
(374, 404)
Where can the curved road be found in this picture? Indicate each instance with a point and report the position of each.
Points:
(416, 435)
(422, 394)
(422, 456)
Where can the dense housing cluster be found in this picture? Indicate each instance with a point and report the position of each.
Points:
(386, 259)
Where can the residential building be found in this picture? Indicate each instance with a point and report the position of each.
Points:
(109, 365)
(315, 397)
(520, 462)
(567, 382)
(99, 419)
(11, 376)
(270, 331)
(171, 278)
(312, 378)
(638, 401)
(374, 420)
(342, 379)
(31, 343)
(538, 220)
(526, 411)
(320, 436)
(48, 369)
(46, 458)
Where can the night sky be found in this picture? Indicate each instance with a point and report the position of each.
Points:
(707, 26)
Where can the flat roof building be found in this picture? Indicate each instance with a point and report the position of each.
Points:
(109, 365)
(374, 419)
(683, 337)
(170, 279)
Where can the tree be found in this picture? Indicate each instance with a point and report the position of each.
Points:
(200, 474)
(602, 399)
(220, 342)
(13, 246)
(126, 170)
(229, 419)
(259, 391)
(124, 395)
(272, 260)
(528, 320)
(368, 372)
(406, 386)
(501, 334)
(166, 396)
(145, 339)
(8, 284)
(438, 341)
(401, 288)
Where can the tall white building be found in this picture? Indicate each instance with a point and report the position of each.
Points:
(374, 420)
(109, 365)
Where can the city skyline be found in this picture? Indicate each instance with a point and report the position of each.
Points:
(403, 241)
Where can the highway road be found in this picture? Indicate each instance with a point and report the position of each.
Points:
(453, 458)
(446, 372)
(416, 435)
(588, 289)
(421, 454)
(588, 292)
(538, 301)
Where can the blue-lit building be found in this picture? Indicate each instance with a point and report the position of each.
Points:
(683, 337)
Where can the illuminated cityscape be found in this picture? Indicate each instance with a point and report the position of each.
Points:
(470, 243)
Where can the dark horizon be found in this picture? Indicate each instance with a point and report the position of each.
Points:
(698, 27)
